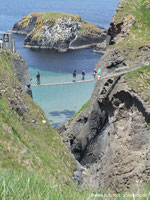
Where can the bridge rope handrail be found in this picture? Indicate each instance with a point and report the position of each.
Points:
(85, 81)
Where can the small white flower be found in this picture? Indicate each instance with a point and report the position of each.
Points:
(44, 121)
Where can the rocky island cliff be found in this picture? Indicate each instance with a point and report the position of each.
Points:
(59, 31)
(111, 137)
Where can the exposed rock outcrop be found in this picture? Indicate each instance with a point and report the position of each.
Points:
(59, 31)
(22, 73)
(21, 70)
(101, 47)
(111, 138)
(120, 28)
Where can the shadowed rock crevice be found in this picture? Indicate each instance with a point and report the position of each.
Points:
(95, 124)
(131, 101)
(114, 30)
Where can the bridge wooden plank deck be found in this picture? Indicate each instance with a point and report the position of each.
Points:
(63, 83)
(86, 81)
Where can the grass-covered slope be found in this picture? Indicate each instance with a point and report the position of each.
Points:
(42, 16)
(138, 39)
(52, 17)
(139, 80)
(131, 27)
(32, 186)
(27, 141)
(138, 35)
(81, 109)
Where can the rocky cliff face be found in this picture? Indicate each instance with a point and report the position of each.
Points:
(22, 73)
(59, 31)
(111, 138)
(118, 30)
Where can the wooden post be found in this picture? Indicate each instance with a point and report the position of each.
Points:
(12, 44)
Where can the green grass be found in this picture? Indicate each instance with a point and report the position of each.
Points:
(85, 106)
(89, 28)
(51, 16)
(139, 34)
(26, 145)
(138, 38)
(139, 81)
(22, 185)
(32, 186)
(137, 9)
(56, 15)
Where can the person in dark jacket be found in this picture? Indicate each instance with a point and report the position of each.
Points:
(94, 73)
(38, 78)
(74, 75)
(83, 75)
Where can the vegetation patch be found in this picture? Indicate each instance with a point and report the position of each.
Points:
(29, 185)
(25, 21)
(55, 15)
(139, 81)
(85, 106)
(89, 28)
(139, 34)
(51, 16)
(22, 185)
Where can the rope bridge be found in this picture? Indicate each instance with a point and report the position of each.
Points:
(85, 81)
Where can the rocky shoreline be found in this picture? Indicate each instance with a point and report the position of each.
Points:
(59, 31)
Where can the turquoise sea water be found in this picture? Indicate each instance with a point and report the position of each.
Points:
(61, 102)
(58, 102)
